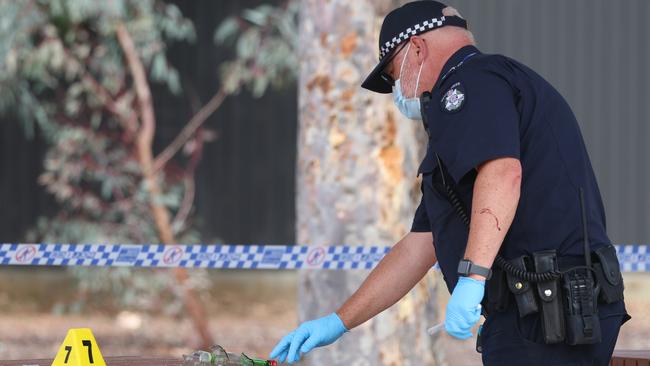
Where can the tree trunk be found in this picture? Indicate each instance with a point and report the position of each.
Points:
(356, 182)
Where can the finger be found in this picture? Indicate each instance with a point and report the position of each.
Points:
(459, 320)
(296, 342)
(309, 345)
(450, 327)
(459, 334)
(282, 345)
(457, 330)
(471, 317)
(282, 356)
(466, 314)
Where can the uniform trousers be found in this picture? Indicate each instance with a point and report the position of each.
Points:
(507, 339)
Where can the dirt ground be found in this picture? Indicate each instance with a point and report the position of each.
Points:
(249, 312)
(260, 307)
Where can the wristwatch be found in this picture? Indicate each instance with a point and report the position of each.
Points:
(466, 268)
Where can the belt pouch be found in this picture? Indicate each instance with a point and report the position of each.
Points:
(551, 302)
(522, 290)
(608, 274)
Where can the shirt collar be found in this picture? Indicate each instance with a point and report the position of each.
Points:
(456, 59)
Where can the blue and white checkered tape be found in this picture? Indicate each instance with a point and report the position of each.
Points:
(633, 258)
(193, 256)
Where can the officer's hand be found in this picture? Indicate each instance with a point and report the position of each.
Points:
(314, 333)
(463, 310)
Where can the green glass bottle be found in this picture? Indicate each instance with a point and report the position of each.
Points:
(219, 357)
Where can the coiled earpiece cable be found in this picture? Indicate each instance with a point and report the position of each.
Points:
(501, 262)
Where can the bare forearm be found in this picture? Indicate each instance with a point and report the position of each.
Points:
(494, 203)
(396, 274)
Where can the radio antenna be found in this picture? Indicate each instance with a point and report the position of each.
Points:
(585, 229)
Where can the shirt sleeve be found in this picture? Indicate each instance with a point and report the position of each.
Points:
(421, 220)
(485, 127)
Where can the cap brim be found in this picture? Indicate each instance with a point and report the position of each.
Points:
(375, 82)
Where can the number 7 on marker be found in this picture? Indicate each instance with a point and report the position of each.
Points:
(67, 355)
(86, 343)
(89, 344)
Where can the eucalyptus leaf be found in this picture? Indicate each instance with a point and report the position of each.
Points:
(258, 16)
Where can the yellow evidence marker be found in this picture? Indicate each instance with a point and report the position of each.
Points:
(79, 348)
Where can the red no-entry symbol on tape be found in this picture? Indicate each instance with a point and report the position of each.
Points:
(26, 253)
(316, 256)
(173, 255)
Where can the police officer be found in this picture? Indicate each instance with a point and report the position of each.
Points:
(506, 179)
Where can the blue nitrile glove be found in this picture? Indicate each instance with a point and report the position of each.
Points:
(314, 333)
(463, 310)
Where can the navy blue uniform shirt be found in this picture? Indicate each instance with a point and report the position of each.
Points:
(485, 107)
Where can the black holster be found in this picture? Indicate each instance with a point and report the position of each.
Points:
(551, 302)
(522, 290)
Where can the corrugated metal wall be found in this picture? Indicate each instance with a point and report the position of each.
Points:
(597, 54)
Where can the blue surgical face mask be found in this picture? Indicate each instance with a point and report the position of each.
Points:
(410, 107)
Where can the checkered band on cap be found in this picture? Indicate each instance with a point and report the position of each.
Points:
(427, 25)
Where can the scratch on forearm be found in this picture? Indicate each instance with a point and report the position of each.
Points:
(488, 211)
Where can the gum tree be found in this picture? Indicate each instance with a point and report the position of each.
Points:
(357, 162)
(80, 73)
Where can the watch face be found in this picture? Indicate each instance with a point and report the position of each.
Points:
(463, 267)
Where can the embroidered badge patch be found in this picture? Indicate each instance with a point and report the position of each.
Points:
(454, 98)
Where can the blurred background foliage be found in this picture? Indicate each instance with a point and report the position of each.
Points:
(266, 43)
(58, 73)
(63, 72)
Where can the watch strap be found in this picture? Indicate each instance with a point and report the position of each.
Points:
(466, 268)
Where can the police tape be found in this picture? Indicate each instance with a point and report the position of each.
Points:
(633, 258)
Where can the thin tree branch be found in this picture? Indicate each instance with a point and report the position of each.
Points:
(130, 122)
(186, 204)
(178, 223)
(144, 143)
(143, 93)
(188, 131)
(144, 139)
